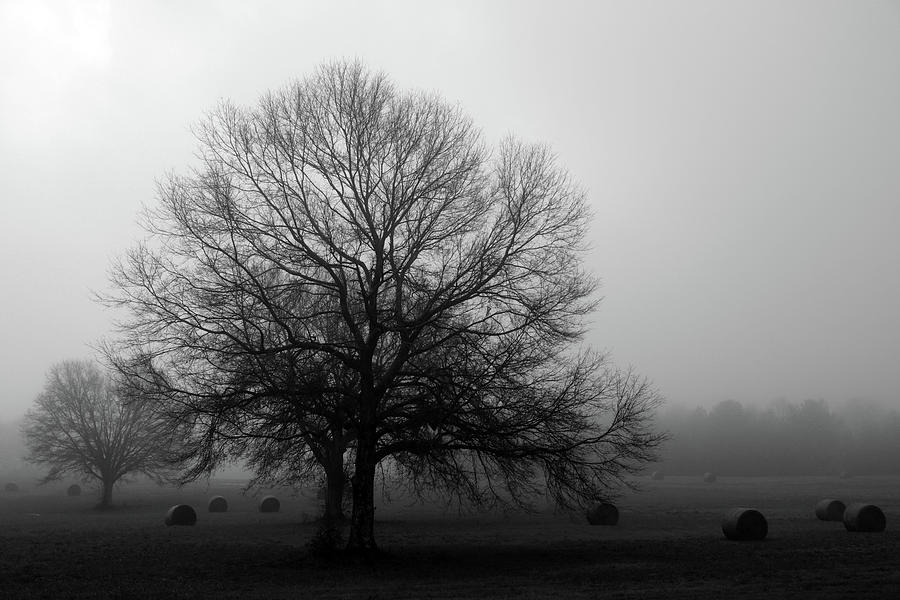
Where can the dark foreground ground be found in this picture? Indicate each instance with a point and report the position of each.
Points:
(668, 544)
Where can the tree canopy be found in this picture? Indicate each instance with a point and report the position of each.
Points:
(82, 423)
(352, 263)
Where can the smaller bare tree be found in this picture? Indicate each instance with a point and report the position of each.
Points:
(82, 423)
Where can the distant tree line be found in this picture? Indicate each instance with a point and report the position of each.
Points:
(11, 449)
(782, 438)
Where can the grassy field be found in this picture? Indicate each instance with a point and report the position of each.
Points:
(668, 544)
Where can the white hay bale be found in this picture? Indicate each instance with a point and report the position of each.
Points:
(73, 490)
(218, 504)
(11, 487)
(657, 475)
(269, 504)
(745, 524)
(830, 509)
(181, 514)
(864, 517)
(603, 513)
(709, 477)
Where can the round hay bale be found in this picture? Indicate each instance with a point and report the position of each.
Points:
(269, 504)
(864, 517)
(709, 477)
(181, 514)
(218, 504)
(73, 490)
(11, 487)
(829, 509)
(603, 513)
(745, 524)
(657, 475)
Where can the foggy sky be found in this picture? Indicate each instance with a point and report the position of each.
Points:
(742, 160)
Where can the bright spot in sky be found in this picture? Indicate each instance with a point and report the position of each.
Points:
(60, 45)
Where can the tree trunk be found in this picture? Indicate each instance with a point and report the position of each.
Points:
(334, 494)
(106, 496)
(362, 519)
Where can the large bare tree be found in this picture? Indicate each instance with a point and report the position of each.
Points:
(371, 231)
(82, 424)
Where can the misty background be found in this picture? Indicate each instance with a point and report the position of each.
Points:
(742, 160)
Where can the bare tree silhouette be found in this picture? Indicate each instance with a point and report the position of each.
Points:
(434, 285)
(81, 424)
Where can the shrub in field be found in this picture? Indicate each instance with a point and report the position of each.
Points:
(657, 475)
(603, 513)
(218, 504)
(181, 514)
(74, 490)
(709, 477)
(864, 517)
(745, 524)
(829, 509)
(269, 504)
(11, 487)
